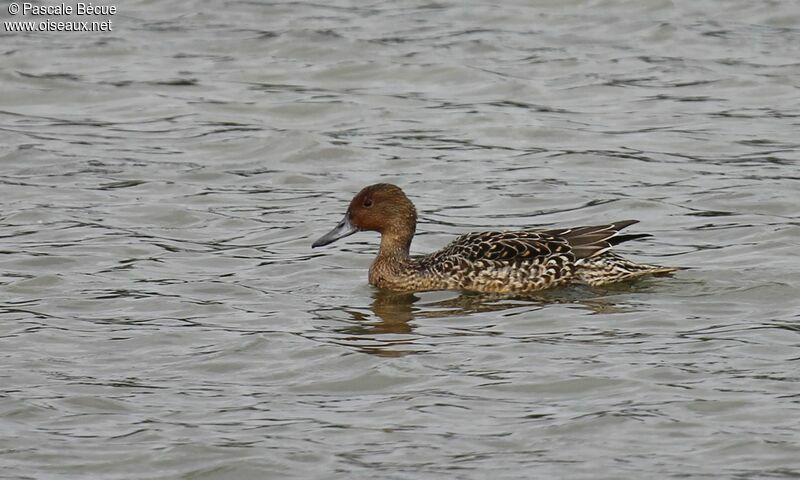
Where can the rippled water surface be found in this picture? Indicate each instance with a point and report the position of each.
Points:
(162, 314)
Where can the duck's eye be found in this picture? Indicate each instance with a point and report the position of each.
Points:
(368, 203)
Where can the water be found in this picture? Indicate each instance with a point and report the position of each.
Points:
(163, 316)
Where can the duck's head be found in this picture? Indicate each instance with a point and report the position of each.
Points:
(382, 208)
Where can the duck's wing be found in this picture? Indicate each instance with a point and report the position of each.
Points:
(516, 246)
(595, 239)
(504, 247)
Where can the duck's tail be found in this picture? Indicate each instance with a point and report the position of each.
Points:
(595, 263)
(610, 268)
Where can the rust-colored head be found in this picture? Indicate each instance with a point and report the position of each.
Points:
(382, 208)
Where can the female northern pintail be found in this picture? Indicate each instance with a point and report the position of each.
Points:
(498, 262)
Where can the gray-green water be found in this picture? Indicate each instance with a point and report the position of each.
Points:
(163, 316)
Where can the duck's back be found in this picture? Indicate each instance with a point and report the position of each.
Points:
(500, 262)
(518, 261)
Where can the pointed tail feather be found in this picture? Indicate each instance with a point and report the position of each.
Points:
(611, 268)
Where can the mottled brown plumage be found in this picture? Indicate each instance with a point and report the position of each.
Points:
(499, 262)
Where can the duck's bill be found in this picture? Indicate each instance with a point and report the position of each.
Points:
(343, 229)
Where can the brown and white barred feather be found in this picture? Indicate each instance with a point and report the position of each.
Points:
(610, 268)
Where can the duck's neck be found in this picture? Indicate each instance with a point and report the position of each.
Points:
(395, 244)
(392, 261)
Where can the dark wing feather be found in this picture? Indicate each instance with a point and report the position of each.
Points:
(596, 239)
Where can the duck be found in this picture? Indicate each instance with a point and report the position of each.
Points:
(504, 262)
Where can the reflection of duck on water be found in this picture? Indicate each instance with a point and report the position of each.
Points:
(397, 309)
(390, 331)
